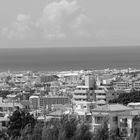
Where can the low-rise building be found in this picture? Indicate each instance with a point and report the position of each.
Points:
(50, 100)
(121, 85)
(34, 100)
(8, 106)
(38, 102)
(136, 85)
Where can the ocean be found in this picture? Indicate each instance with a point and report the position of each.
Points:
(72, 58)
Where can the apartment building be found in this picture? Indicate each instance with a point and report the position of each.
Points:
(50, 100)
(72, 78)
(85, 92)
(121, 85)
(100, 95)
(117, 116)
(34, 100)
(44, 101)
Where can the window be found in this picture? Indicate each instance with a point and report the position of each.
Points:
(88, 118)
(1, 115)
(1, 109)
(10, 109)
(3, 123)
(124, 132)
(124, 122)
(115, 119)
(98, 120)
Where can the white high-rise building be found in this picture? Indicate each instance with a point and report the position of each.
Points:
(85, 93)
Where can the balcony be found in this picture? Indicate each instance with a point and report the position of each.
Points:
(81, 91)
(80, 96)
(100, 91)
(123, 125)
(100, 97)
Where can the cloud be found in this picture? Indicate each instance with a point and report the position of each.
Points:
(19, 28)
(61, 19)
(58, 20)
(81, 26)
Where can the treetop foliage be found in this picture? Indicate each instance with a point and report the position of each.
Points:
(125, 98)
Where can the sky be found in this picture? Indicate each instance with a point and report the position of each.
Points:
(69, 23)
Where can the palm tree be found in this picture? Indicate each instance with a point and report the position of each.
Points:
(114, 135)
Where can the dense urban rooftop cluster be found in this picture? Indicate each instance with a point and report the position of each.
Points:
(92, 96)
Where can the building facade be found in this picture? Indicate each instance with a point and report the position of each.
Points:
(44, 101)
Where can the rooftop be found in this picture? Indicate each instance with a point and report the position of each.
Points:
(137, 103)
(82, 86)
(56, 113)
(112, 108)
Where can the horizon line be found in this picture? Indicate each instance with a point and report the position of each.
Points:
(67, 47)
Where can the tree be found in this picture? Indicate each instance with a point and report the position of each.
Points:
(103, 132)
(15, 124)
(4, 93)
(83, 133)
(37, 132)
(114, 135)
(67, 128)
(11, 84)
(7, 79)
(51, 130)
(125, 98)
(26, 133)
(137, 136)
(3, 135)
(18, 121)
